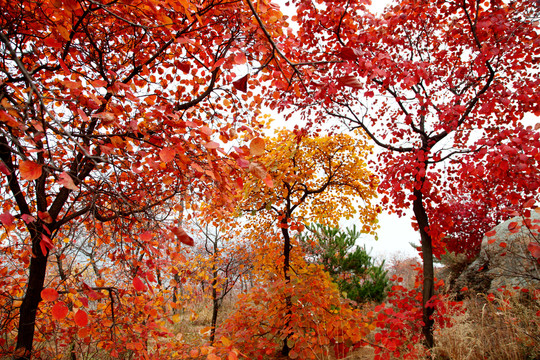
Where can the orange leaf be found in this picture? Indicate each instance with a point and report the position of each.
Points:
(268, 181)
(257, 170)
(138, 284)
(59, 311)
(29, 170)
(49, 294)
(83, 332)
(81, 318)
(491, 233)
(256, 147)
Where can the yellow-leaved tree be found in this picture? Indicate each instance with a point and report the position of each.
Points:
(319, 179)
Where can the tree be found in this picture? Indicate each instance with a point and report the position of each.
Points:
(223, 259)
(108, 110)
(312, 179)
(423, 80)
(487, 187)
(349, 265)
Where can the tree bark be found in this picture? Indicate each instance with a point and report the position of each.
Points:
(32, 298)
(215, 300)
(427, 256)
(288, 300)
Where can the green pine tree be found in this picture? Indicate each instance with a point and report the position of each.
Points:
(350, 265)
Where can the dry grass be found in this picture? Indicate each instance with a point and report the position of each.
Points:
(507, 327)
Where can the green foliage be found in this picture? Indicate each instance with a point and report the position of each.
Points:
(349, 265)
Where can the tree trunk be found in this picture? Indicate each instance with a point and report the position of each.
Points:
(288, 300)
(427, 256)
(32, 298)
(215, 300)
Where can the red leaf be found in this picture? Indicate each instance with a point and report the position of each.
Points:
(239, 183)
(491, 233)
(182, 236)
(211, 145)
(138, 284)
(45, 217)
(7, 219)
(66, 181)
(243, 163)
(503, 244)
(45, 244)
(167, 154)
(59, 311)
(146, 236)
(350, 81)
(347, 53)
(184, 66)
(240, 58)
(84, 300)
(241, 84)
(4, 169)
(28, 218)
(529, 203)
(49, 294)
(30, 170)
(512, 226)
(81, 318)
(534, 248)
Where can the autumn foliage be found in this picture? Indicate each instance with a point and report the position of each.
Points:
(127, 127)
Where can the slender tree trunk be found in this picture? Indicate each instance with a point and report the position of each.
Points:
(32, 298)
(427, 256)
(215, 300)
(288, 300)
